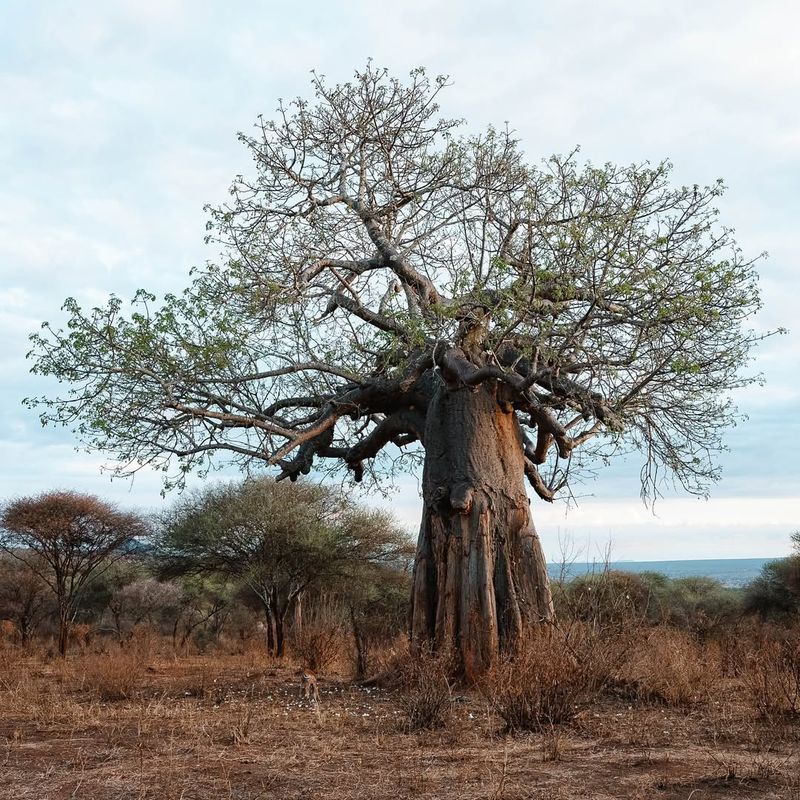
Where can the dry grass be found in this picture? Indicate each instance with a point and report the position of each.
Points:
(426, 694)
(321, 639)
(113, 676)
(540, 685)
(771, 674)
(669, 666)
(232, 726)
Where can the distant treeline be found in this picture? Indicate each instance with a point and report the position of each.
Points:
(257, 561)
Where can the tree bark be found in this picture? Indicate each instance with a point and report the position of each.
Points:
(269, 631)
(297, 619)
(63, 630)
(360, 644)
(480, 577)
(279, 615)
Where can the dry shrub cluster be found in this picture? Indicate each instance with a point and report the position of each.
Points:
(555, 672)
(321, 639)
(539, 685)
(771, 673)
(669, 666)
(425, 696)
(115, 675)
(387, 661)
(10, 658)
(607, 599)
(8, 632)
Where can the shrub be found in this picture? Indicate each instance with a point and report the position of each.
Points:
(378, 610)
(540, 684)
(425, 693)
(81, 634)
(608, 598)
(776, 591)
(114, 676)
(9, 632)
(669, 666)
(696, 604)
(319, 641)
(771, 673)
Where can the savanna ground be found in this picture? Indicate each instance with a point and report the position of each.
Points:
(668, 718)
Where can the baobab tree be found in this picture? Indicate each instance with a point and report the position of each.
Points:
(389, 290)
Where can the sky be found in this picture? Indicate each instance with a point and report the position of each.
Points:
(118, 123)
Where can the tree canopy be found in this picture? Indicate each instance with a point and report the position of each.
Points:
(373, 250)
(67, 539)
(278, 541)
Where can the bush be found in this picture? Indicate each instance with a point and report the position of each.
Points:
(771, 673)
(775, 592)
(540, 685)
(425, 694)
(608, 599)
(114, 676)
(378, 607)
(669, 666)
(319, 641)
(696, 604)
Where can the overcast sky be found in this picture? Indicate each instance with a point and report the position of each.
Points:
(118, 122)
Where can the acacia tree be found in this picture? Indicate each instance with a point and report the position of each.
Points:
(278, 541)
(25, 598)
(142, 601)
(262, 536)
(390, 289)
(67, 539)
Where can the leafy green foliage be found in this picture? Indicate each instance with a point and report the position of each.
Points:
(776, 591)
(371, 246)
(282, 542)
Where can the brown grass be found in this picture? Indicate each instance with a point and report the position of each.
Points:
(232, 726)
(540, 685)
(669, 666)
(321, 639)
(771, 674)
(425, 692)
(113, 676)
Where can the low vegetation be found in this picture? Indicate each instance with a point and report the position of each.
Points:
(176, 681)
(584, 710)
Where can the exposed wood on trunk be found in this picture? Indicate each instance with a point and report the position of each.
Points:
(480, 576)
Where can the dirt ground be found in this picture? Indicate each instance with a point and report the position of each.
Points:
(231, 727)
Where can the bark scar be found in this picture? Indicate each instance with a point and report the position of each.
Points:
(461, 498)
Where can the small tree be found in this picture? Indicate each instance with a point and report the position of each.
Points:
(776, 591)
(66, 539)
(98, 593)
(273, 540)
(25, 598)
(374, 580)
(277, 540)
(144, 600)
(200, 607)
(378, 605)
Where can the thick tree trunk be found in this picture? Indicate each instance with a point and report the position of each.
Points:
(480, 578)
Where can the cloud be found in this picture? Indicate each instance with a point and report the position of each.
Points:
(119, 123)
